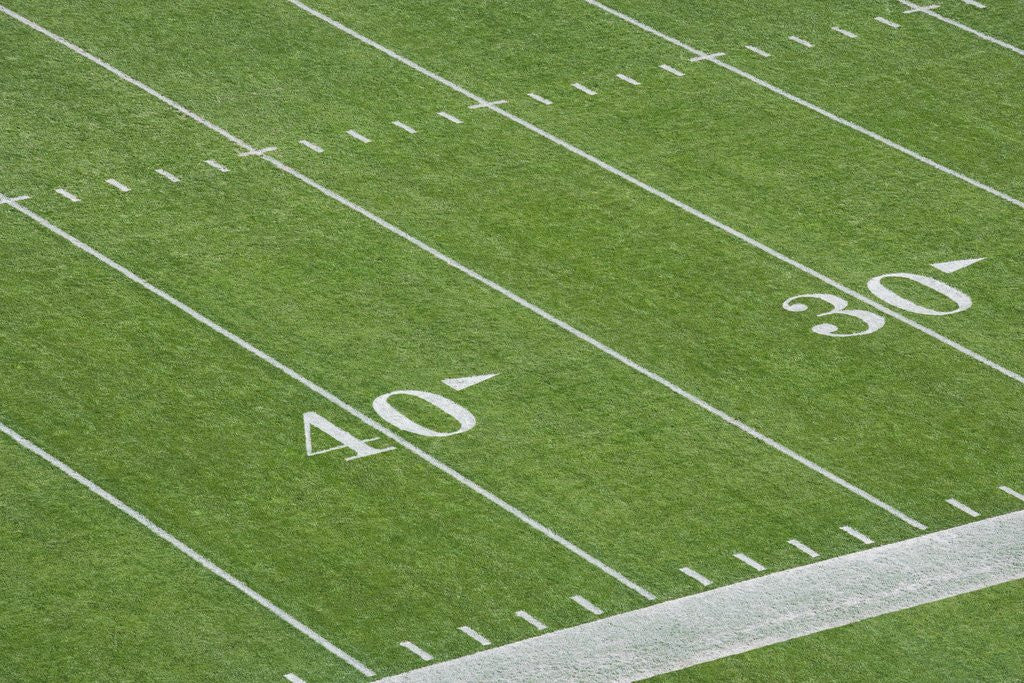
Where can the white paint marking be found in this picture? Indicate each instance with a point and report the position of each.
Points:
(704, 56)
(67, 195)
(483, 104)
(13, 201)
(213, 163)
(358, 136)
(531, 620)
(121, 187)
(587, 605)
(858, 535)
(963, 508)
(257, 152)
(757, 51)
(475, 635)
(407, 128)
(584, 89)
(538, 98)
(761, 611)
(672, 70)
(582, 335)
(929, 10)
(809, 552)
(974, 3)
(168, 175)
(416, 650)
(293, 678)
(462, 383)
(887, 22)
(309, 145)
(449, 117)
(750, 562)
(627, 79)
(844, 32)
(953, 266)
(696, 576)
(194, 555)
(800, 41)
(1009, 491)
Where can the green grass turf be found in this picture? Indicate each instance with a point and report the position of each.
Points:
(208, 440)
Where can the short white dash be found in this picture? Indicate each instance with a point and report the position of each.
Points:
(963, 508)
(757, 50)
(844, 32)
(213, 163)
(357, 136)
(417, 650)
(696, 576)
(531, 620)
(407, 128)
(800, 41)
(309, 145)
(475, 635)
(627, 79)
(974, 3)
(1009, 491)
(809, 552)
(293, 678)
(672, 70)
(449, 117)
(887, 22)
(487, 105)
(858, 535)
(749, 562)
(67, 195)
(119, 185)
(587, 605)
(538, 98)
(167, 174)
(583, 89)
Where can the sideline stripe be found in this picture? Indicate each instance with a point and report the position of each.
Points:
(758, 612)
(309, 384)
(929, 11)
(194, 555)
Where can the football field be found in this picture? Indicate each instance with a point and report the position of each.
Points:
(343, 338)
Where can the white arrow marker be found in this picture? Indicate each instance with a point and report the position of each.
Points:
(953, 266)
(460, 383)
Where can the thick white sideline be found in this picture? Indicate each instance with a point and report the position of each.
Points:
(753, 614)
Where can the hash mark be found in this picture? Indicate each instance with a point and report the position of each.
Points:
(167, 174)
(1009, 491)
(416, 650)
(757, 51)
(696, 576)
(309, 145)
(119, 185)
(583, 89)
(405, 127)
(750, 562)
(531, 620)
(538, 98)
(800, 41)
(672, 70)
(449, 117)
(963, 508)
(475, 635)
(357, 136)
(587, 605)
(213, 163)
(887, 22)
(866, 540)
(809, 552)
(844, 32)
(67, 195)
(627, 79)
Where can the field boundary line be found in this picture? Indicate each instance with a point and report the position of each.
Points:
(444, 258)
(716, 60)
(929, 10)
(757, 612)
(483, 103)
(188, 551)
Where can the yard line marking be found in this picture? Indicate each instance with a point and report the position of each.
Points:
(358, 136)
(535, 96)
(446, 115)
(293, 678)
(186, 550)
(309, 145)
(13, 201)
(844, 32)
(809, 552)
(696, 576)
(800, 41)
(1008, 490)
(929, 10)
(627, 79)
(672, 70)
(67, 195)
(584, 89)
(834, 478)
(167, 174)
(257, 152)
(974, 3)
(963, 508)
(763, 610)
(587, 605)
(118, 185)
(444, 258)
(405, 127)
(750, 562)
(858, 535)
(351, 410)
(213, 163)
(475, 635)
(531, 620)
(704, 56)
(887, 22)
(416, 650)
(756, 51)
(486, 105)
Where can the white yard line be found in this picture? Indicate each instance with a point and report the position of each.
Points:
(444, 258)
(963, 508)
(186, 550)
(929, 10)
(755, 613)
